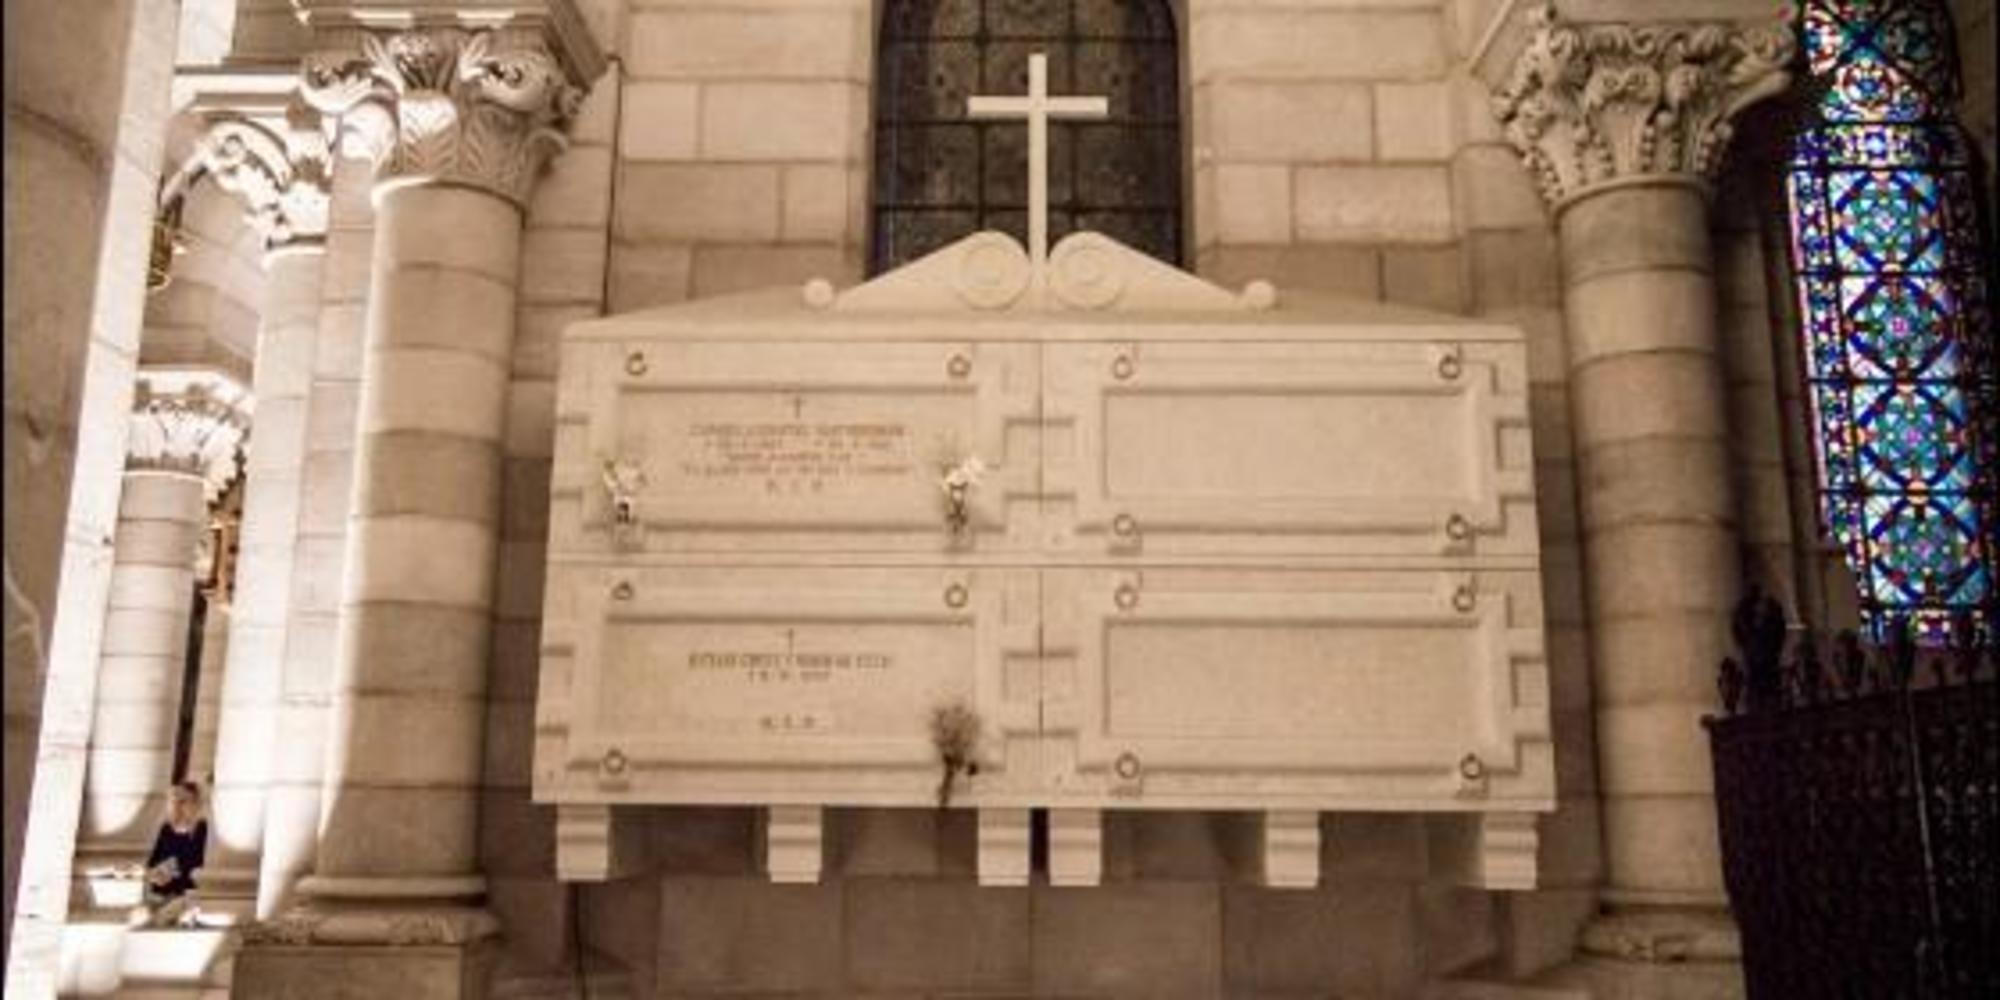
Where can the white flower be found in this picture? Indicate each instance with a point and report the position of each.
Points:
(965, 476)
(622, 477)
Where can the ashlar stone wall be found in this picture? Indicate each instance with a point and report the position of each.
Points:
(742, 133)
(1323, 134)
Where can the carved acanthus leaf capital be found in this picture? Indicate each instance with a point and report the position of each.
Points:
(1586, 105)
(192, 421)
(486, 109)
(282, 171)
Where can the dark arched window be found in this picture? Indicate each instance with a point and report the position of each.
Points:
(1898, 338)
(940, 176)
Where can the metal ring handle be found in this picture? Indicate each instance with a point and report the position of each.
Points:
(1124, 526)
(1127, 766)
(1463, 599)
(956, 595)
(614, 761)
(1126, 597)
(622, 590)
(1471, 768)
(1122, 367)
(959, 366)
(635, 363)
(1457, 528)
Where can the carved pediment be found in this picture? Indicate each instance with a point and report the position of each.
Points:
(1086, 272)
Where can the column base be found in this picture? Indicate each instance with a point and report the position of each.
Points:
(228, 895)
(366, 952)
(1657, 955)
(1614, 979)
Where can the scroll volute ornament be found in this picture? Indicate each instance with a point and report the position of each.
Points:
(282, 172)
(1590, 104)
(487, 109)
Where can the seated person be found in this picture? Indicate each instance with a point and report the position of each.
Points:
(178, 852)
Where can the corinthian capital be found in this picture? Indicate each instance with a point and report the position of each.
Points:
(1586, 105)
(192, 421)
(282, 170)
(443, 104)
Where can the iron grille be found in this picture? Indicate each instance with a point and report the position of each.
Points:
(1859, 805)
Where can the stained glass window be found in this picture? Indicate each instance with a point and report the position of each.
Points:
(940, 176)
(1886, 247)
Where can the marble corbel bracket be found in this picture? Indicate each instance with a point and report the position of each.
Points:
(598, 843)
(1003, 847)
(1493, 850)
(794, 840)
(1076, 847)
(1291, 849)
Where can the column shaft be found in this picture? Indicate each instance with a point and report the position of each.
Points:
(297, 765)
(403, 765)
(254, 662)
(1659, 521)
(161, 518)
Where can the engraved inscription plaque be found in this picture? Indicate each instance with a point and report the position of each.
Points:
(799, 445)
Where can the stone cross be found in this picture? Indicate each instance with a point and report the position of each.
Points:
(1038, 107)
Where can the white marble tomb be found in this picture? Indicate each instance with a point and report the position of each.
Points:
(1166, 546)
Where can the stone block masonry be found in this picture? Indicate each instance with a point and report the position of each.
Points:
(1179, 915)
(1315, 152)
(741, 148)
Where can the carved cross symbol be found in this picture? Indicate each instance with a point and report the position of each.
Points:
(1038, 107)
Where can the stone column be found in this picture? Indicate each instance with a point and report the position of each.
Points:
(280, 169)
(82, 164)
(1622, 127)
(460, 124)
(298, 760)
(186, 429)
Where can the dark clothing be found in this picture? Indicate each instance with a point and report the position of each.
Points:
(188, 851)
